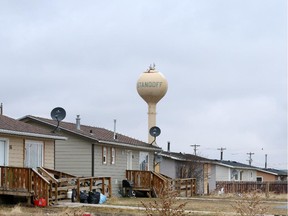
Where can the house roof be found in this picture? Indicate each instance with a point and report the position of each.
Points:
(275, 171)
(12, 126)
(183, 156)
(233, 164)
(96, 134)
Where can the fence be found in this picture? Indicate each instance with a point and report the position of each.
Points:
(21, 181)
(278, 187)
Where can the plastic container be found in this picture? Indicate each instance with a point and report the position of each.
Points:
(69, 194)
(41, 202)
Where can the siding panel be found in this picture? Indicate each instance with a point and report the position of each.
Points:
(49, 154)
(16, 152)
(73, 157)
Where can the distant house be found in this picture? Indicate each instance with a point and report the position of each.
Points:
(181, 165)
(221, 170)
(271, 175)
(25, 145)
(94, 151)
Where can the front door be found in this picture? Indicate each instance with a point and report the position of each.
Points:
(3, 153)
(144, 161)
(33, 153)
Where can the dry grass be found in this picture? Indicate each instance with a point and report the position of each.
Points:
(250, 204)
(216, 205)
(166, 205)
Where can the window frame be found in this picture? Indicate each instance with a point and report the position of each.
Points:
(6, 150)
(113, 155)
(104, 155)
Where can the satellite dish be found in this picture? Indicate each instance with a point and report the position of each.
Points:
(58, 114)
(154, 131)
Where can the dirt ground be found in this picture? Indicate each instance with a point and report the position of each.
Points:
(217, 206)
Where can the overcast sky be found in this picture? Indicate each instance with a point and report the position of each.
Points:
(225, 62)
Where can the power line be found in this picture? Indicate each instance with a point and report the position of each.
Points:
(195, 148)
(221, 152)
(250, 158)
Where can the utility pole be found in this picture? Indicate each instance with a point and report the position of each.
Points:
(265, 161)
(221, 154)
(195, 148)
(250, 158)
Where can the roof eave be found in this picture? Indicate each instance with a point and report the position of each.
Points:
(65, 129)
(21, 133)
(152, 148)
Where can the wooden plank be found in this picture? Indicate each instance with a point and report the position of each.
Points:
(15, 193)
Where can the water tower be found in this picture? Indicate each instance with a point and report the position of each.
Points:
(152, 86)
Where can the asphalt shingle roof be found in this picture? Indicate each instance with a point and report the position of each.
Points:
(12, 126)
(94, 133)
(183, 156)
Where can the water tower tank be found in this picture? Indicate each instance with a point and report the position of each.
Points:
(152, 86)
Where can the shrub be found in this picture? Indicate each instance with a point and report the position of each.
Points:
(250, 204)
(166, 204)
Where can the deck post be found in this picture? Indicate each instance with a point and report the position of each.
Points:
(78, 189)
(267, 189)
(103, 185)
(91, 184)
(186, 185)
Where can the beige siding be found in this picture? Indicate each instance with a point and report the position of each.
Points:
(49, 154)
(266, 176)
(16, 152)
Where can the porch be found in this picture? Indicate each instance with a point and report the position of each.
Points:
(153, 183)
(49, 184)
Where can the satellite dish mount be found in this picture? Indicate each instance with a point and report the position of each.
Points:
(154, 132)
(58, 114)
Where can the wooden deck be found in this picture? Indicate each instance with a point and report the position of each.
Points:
(153, 183)
(46, 183)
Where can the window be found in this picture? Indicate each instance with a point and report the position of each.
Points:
(259, 179)
(4, 152)
(241, 175)
(144, 160)
(104, 155)
(113, 154)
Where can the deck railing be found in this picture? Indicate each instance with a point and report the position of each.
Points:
(159, 182)
(21, 181)
(14, 178)
(60, 183)
(101, 184)
(48, 184)
(155, 182)
(140, 179)
(39, 185)
(185, 187)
